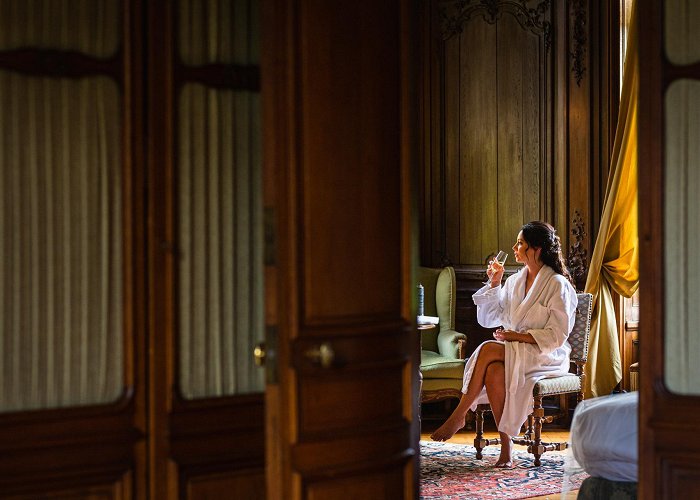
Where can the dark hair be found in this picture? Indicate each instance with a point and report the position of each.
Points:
(542, 235)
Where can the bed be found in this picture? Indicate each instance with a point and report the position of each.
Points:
(604, 444)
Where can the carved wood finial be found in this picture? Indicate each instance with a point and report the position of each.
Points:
(453, 15)
(577, 260)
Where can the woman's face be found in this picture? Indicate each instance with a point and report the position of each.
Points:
(523, 252)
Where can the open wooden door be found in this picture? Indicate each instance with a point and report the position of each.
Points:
(342, 358)
(206, 413)
(72, 384)
(669, 449)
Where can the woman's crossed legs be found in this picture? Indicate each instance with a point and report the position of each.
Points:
(489, 371)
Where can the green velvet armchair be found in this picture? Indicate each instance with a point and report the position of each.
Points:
(443, 349)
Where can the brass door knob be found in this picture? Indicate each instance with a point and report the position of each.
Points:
(259, 353)
(323, 355)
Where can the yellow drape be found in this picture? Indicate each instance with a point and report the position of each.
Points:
(615, 261)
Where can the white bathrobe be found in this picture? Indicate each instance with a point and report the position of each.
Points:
(547, 313)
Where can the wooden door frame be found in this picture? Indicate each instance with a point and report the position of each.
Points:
(669, 450)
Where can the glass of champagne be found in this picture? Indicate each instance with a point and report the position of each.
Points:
(500, 257)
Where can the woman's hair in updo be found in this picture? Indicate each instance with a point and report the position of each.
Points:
(542, 235)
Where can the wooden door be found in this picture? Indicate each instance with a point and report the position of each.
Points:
(669, 448)
(339, 160)
(206, 419)
(73, 408)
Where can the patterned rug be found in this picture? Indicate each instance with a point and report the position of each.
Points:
(450, 471)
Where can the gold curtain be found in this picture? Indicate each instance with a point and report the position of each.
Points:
(615, 261)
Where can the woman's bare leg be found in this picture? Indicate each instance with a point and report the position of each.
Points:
(495, 382)
(489, 352)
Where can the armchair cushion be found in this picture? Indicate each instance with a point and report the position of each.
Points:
(557, 385)
(433, 365)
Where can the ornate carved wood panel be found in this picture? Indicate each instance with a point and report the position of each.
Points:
(496, 84)
(519, 103)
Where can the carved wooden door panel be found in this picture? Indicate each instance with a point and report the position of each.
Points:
(492, 102)
(342, 358)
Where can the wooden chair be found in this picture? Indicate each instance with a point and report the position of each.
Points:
(555, 386)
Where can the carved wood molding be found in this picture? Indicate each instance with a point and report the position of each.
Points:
(453, 15)
(577, 260)
(578, 54)
(439, 395)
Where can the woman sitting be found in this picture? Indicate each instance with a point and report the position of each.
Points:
(534, 312)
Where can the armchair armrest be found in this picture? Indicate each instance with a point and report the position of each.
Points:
(452, 344)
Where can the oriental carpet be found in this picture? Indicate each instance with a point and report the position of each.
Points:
(451, 471)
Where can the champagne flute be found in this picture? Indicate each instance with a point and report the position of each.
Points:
(500, 257)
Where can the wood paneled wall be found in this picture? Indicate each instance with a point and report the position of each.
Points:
(496, 135)
(518, 109)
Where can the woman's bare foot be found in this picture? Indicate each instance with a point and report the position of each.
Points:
(505, 459)
(449, 428)
(504, 465)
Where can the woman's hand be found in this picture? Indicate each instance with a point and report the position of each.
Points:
(510, 336)
(501, 335)
(495, 273)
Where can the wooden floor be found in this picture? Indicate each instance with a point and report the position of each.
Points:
(467, 437)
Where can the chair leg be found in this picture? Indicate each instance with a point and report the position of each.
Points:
(528, 431)
(479, 438)
(537, 414)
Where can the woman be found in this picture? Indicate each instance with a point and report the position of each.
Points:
(534, 311)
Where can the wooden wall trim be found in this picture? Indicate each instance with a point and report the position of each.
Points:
(161, 280)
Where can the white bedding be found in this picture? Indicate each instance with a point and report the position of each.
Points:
(604, 436)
